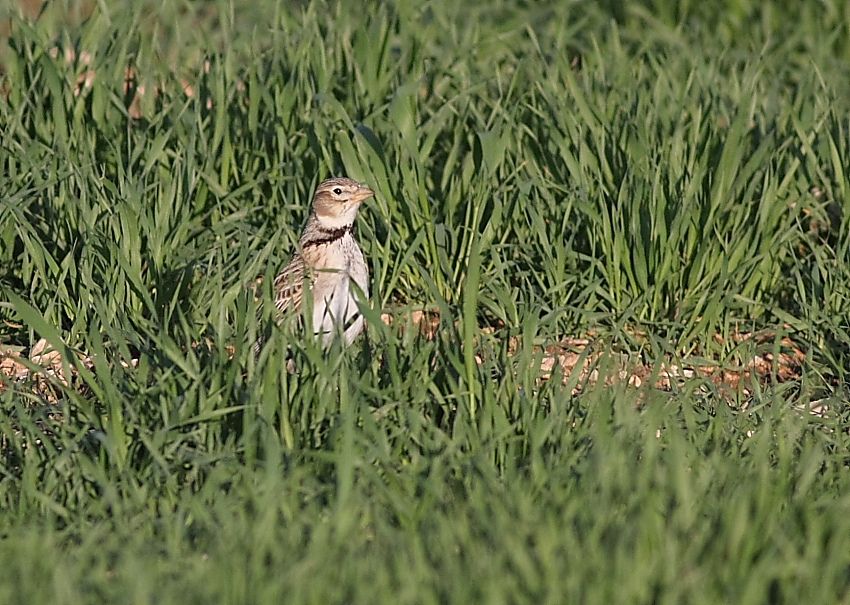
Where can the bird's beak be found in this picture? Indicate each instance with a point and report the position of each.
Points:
(364, 192)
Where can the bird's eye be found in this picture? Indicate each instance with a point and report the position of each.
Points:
(337, 191)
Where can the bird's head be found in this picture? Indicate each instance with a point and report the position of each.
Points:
(337, 200)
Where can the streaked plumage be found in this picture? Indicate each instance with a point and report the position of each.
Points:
(329, 263)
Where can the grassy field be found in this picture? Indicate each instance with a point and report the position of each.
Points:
(666, 181)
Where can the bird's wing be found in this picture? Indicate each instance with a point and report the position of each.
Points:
(289, 285)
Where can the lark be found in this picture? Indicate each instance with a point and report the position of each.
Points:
(328, 265)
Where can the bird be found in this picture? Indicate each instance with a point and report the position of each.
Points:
(328, 264)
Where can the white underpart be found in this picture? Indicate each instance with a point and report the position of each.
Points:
(336, 310)
(339, 311)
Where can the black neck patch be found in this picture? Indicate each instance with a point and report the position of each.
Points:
(328, 236)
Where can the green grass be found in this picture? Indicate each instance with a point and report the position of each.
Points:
(657, 174)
